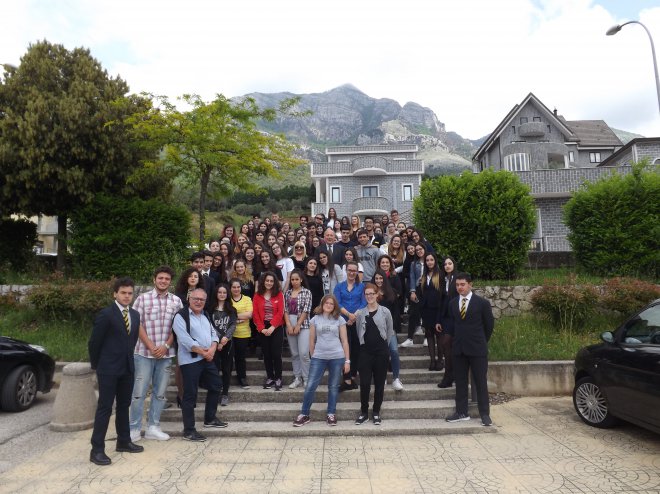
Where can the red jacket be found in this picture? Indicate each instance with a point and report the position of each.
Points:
(258, 310)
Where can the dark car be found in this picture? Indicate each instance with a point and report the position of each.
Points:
(24, 370)
(620, 378)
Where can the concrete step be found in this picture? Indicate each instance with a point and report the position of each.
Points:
(345, 427)
(257, 394)
(286, 412)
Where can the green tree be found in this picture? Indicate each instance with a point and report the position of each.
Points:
(615, 224)
(485, 221)
(57, 147)
(216, 146)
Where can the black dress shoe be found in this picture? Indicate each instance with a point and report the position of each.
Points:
(99, 458)
(129, 447)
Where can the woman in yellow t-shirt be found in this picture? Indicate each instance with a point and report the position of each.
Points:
(243, 305)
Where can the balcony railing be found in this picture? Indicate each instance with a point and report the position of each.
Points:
(565, 180)
(362, 165)
(364, 205)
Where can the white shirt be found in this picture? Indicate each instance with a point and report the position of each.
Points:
(467, 300)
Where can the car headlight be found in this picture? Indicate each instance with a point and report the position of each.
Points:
(38, 348)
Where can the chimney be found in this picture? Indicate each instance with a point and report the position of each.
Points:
(555, 111)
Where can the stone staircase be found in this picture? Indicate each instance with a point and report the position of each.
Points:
(420, 409)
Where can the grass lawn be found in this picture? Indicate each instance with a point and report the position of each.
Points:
(529, 337)
(536, 277)
(65, 340)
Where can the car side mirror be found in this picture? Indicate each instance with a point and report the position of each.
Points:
(607, 337)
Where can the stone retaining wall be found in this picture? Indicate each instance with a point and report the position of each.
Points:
(508, 300)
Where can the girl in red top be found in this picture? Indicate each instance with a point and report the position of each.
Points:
(268, 317)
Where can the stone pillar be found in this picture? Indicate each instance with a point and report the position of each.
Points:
(75, 404)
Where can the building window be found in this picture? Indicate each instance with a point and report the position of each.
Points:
(513, 129)
(523, 120)
(369, 191)
(594, 157)
(537, 119)
(571, 156)
(407, 192)
(518, 162)
(335, 194)
(549, 129)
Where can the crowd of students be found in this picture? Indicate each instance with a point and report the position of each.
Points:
(334, 289)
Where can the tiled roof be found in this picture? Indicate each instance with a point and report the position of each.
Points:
(594, 133)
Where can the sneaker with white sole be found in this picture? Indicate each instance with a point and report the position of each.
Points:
(408, 343)
(301, 420)
(297, 382)
(457, 417)
(426, 342)
(419, 331)
(136, 435)
(154, 432)
(397, 385)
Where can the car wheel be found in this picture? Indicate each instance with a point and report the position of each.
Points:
(20, 389)
(591, 405)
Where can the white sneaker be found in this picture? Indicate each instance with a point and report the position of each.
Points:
(407, 343)
(397, 385)
(426, 342)
(154, 432)
(136, 435)
(419, 331)
(297, 382)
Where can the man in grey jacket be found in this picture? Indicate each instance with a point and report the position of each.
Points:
(367, 255)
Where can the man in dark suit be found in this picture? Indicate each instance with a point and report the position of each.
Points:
(473, 327)
(206, 268)
(111, 348)
(197, 262)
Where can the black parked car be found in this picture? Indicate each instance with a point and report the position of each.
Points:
(620, 378)
(24, 370)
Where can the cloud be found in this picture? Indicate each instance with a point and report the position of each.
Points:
(469, 61)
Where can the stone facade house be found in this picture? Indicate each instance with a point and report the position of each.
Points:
(367, 180)
(636, 150)
(554, 157)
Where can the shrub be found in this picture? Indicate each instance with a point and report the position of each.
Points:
(615, 224)
(9, 302)
(628, 295)
(18, 239)
(568, 306)
(128, 237)
(484, 220)
(59, 297)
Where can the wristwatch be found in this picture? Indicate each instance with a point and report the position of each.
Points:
(167, 346)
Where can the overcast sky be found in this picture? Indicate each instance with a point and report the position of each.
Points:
(469, 61)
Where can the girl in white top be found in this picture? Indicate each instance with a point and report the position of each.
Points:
(351, 255)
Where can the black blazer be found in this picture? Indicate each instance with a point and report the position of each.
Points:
(471, 334)
(337, 252)
(110, 346)
(430, 298)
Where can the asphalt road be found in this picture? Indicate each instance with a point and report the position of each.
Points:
(25, 434)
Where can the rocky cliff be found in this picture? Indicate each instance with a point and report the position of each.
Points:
(346, 116)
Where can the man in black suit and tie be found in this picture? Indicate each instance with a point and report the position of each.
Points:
(206, 268)
(111, 348)
(197, 262)
(473, 327)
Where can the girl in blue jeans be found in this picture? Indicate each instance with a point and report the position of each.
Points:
(328, 345)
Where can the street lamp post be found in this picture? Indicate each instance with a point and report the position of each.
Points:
(615, 29)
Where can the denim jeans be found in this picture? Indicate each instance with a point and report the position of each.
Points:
(149, 372)
(299, 347)
(394, 356)
(316, 370)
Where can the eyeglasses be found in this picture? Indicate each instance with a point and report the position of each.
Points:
(299, 247)
(352, 270)
(370, 294)
(198, 299)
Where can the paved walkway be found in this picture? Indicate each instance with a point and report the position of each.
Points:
(540, 446)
